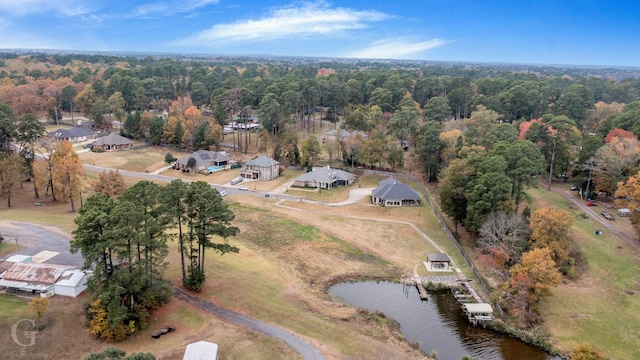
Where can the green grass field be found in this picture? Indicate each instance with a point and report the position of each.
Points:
(602, 304)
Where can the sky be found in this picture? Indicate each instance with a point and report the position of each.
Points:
(559, 32)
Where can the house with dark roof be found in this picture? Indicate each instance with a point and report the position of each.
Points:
(112, 142)
(74, 134)
(324, 178)
(392, 192)
(206, 161)
(261, 168)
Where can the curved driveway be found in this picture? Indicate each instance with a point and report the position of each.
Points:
(305, 349)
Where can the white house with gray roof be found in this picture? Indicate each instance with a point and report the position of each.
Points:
(324, 178)
(261, 168)
(392, 192)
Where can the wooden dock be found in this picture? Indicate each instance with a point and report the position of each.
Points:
(470, 301)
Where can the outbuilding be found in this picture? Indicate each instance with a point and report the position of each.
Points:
(438, 262)
(71, 283)
(624, 212)
(201, 350)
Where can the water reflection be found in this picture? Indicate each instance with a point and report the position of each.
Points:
(438, 325)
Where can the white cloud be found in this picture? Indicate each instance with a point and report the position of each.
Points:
(62, 7)
(395, 49)
(12, 39)
(170, 7)
(294, 21)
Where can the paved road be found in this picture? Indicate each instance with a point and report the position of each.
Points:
(37, 239)
(308, 351)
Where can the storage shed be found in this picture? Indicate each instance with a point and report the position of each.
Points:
(201, 350)
(624, 212)
(71, 283)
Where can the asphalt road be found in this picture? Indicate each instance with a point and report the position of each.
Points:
(162, 178)
(308, 351)
(37, 239)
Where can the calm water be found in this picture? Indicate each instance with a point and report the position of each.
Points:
(438, 324)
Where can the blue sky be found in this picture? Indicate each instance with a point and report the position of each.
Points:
(574, 32)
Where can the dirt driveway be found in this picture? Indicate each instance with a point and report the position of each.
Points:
(595, 214)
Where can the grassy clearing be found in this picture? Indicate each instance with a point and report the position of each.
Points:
(602, 304)
(146, 159)
(13, 308)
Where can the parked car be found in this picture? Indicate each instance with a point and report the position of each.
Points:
(607, 215)
(243, 188)
(574, 188)
(223, 193)
(591, 203)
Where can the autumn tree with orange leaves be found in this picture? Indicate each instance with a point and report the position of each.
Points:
(628, 196)
(67, 172)
(60, 171)
(110, 183)
(551, 228)
(530, 282)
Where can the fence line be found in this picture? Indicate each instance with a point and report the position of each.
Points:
(445, 228)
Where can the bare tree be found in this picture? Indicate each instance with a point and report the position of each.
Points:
(506, 231)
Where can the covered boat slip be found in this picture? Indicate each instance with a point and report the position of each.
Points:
(478, 311)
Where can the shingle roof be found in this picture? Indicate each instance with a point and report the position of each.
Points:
(392, 189)
(326, 175)
(204, 157)
(112, 139)
(262, 161)
(71, 133)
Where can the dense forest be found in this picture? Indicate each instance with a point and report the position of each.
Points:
(483, 132)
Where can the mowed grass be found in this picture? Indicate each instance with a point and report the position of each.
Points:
(602, 304)
(12, 308)
(143, 160)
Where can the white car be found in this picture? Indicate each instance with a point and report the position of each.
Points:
(223, 193)
(243, 188)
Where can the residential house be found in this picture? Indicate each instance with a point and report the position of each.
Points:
(206, 161)
(261, 168)
(74, 134)
(392, 192)
(112, 142)
(324, 178)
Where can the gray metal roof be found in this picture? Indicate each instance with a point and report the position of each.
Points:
(392, 189)
(262, 161)
(326, 175)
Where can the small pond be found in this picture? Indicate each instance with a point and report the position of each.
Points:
(437, 325)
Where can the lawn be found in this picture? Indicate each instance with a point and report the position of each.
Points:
(602, 304)
(146, 159)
